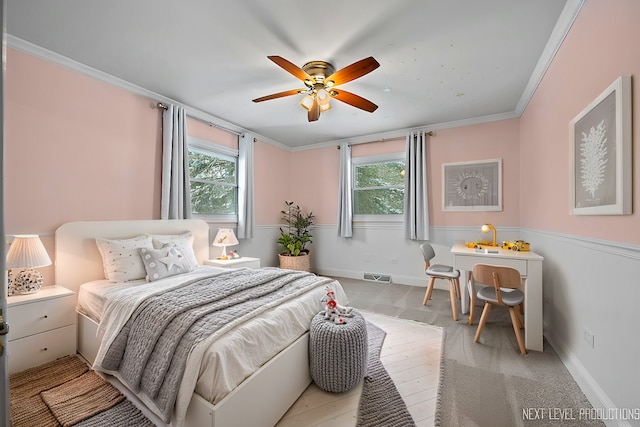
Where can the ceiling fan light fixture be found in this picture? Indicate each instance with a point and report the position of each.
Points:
(323, 97)
(307, 102)
(324, 107)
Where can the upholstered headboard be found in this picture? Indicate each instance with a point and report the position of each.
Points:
(78, 259)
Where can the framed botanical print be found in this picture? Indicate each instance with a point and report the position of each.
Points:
(601, 153)
(472, 186)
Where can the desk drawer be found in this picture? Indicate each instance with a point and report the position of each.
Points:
(466, 262)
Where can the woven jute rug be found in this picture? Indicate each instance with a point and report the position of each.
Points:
(66, 392)
(81, 398)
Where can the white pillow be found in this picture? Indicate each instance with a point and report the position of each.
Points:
(165, 262)
(121, 259)
(183, 242)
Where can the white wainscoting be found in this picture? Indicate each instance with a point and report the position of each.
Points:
(593, 284)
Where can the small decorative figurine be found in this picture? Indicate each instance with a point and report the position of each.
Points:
(334, 312)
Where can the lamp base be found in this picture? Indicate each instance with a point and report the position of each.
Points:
(27, 281)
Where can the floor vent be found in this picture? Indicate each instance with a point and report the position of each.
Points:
(375, 277)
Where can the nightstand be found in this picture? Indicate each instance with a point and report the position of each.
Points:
(42, 327)
(244, 261)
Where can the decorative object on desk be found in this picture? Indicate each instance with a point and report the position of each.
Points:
(27, 252)
(225, 237)
(601, 153)
(516, 245)
(486, 228)
(478, 244)
(234, 255)
(295, 237)
(472, 186)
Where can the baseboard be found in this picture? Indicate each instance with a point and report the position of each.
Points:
(397, 279)
(587, 383)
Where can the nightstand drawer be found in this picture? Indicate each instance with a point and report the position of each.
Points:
(40, 316)
(37, 349)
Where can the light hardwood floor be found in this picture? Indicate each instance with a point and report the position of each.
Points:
(410, 353)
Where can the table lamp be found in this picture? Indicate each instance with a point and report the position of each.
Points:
(224, 238)
(27, 252)
(486, 228)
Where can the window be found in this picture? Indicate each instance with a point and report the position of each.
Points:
(213, 180)
(378, 187)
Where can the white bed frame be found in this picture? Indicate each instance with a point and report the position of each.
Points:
(260, 400)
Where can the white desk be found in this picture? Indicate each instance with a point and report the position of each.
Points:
(529, 264)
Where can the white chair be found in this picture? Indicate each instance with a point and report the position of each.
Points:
(440, 271)
(501, 290)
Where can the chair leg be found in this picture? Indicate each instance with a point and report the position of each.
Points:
(472, 302)
(452, 296)
(427, 296)
(458, 293)
(483, 320)
(516, 327)
(519, 318)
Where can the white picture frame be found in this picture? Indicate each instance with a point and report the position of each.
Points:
(601, 157)
(472, 186)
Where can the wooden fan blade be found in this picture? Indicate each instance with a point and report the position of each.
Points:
(279, 95)
(290, 67)
(353, 71)
(314, 112)
(354, 100)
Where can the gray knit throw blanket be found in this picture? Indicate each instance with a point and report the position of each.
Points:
(150, 351)
(381, 404)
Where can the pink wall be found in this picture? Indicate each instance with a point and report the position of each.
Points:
(315, 172)
(272, 182)
(601, 46)
(77, 149)
(201, 130)
(494, 140)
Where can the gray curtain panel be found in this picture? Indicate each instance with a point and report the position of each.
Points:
(246, 219)
(176, 196)
(416, 202)
(345, 202)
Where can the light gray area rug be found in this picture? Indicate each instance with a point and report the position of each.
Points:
(491, 384)
(488, 383)
(380, 403)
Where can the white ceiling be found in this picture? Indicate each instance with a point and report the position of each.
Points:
(441, 61)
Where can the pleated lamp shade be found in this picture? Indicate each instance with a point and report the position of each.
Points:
(26, 253)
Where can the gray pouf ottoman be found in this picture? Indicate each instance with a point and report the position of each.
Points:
(338, 353)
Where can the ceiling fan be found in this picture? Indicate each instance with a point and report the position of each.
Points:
(321, 79)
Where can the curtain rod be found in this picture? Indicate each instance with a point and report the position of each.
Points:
(164, 107)
(428, 133)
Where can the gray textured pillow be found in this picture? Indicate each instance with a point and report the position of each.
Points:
(184, 243)
(164, 262)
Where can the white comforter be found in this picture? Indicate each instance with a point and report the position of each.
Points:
(218, 365)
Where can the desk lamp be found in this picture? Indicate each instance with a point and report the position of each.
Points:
(224, 238)
(486, 228)
(27, 252)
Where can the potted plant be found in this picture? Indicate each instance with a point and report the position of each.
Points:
(294, 238)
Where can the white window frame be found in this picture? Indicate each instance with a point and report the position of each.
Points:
(213, 149)
(368, 160)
